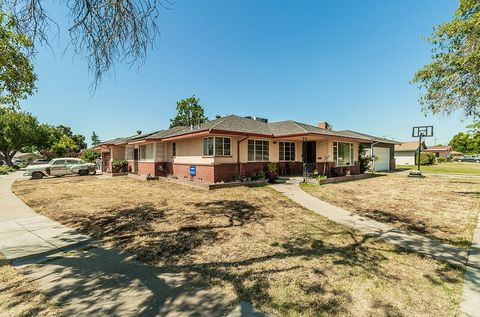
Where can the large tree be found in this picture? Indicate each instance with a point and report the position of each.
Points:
(17, 131)
(103, 31)
(95, 139)
(452, 80)
(467, 142)
(189, 112)
(17, 78)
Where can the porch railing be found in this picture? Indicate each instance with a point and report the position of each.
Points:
(308, 169)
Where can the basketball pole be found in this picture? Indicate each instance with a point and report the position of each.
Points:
(419, 150)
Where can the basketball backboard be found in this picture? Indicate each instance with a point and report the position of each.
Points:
(422, 131)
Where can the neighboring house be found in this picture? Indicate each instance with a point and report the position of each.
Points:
(383, 150)
(405, 152)
(26, 157)
(440, 151)
(232, 146)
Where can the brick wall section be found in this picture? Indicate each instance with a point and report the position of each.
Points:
(392, 165)
(247, 169)
(228, 172)
(205, 173)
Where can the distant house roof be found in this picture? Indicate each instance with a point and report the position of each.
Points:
(246, 126)
(409, 146)
(19, 155)
(439, 148)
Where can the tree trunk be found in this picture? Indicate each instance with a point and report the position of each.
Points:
(8, 156)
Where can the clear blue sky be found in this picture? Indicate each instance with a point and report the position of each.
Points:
(346, 62)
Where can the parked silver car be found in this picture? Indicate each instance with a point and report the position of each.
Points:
(468, 158)
(60, 167)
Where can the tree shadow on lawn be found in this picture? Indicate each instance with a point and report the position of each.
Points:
(250, 277)
(414, 225)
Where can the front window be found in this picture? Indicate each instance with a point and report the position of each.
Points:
(146, 152)
(130, 151)
(174, 149)
(73, 162)
(59, 162)
(216, 146)
(258, 150)
(287, 151)
(343, 153)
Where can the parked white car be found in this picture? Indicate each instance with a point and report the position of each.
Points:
(60, 167)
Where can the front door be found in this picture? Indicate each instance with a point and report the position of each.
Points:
(309, 157)
(105, 161)
(309, 152)
(135, 161)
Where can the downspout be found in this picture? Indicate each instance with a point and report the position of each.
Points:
(371, 151)
(238, 154)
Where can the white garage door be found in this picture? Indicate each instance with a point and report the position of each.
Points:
(383, 161)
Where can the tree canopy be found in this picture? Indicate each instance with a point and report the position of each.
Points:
(17, 130)
(452, 80)
(189, 112)
(467, 142)
(94, 138)
(17, 77)
(103, 31)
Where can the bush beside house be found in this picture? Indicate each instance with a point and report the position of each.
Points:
(427, 158)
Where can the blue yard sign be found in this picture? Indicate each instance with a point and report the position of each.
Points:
(193, 170)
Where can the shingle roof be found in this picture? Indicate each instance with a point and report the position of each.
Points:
(234, 123)
(372, 137)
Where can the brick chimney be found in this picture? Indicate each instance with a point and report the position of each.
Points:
(323, 125)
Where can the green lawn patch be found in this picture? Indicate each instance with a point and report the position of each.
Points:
(448, 168)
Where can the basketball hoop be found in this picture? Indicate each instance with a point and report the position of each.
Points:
(420, 132)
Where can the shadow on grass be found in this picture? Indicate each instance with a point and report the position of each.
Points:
(249, 274)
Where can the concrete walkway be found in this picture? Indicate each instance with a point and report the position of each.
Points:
(88, 279)
(410, 241)
(471, 285)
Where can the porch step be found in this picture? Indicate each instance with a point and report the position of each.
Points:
(290, 180)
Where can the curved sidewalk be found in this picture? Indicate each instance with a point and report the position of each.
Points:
(87, 278)
(470, 261)
(407, 240)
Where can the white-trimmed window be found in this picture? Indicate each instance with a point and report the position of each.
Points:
(174, 149)
(258, 150)
(216, 146)
(343, 153)
(145, 152)
(129, 154)
(287, 151)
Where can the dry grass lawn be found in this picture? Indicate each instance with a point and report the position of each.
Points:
(20, 297)
(253, 243)
(439, 207)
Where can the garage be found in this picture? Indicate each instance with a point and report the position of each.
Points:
(383, 158)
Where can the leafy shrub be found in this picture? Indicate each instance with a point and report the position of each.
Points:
(442, 160)
(6, 169)
(90, 155)
(427, 158)
(272, 174)
(364, 159)
(257, 175)
(119, 166)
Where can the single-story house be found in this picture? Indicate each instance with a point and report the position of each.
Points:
(232, 146)
(405, 152)
(381, 148)
(26, 157)
(440, 150)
